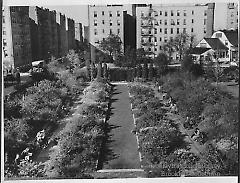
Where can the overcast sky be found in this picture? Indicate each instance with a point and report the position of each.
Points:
(78, 12)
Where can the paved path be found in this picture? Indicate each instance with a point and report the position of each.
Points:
(122, 142)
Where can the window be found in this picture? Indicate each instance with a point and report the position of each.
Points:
(178, 13)
(192, 30)
(172, 13)
(205, 12)
(155, 31)
(155, 49)
(165, 22)
(165, 39)
(110, 13)
(95, 31)
(192, 12)
(171, 30)
(172, 22)
(165, 31)
(177, 30)
(149, 49)
(165, 13)
(160, 13)
(103, 31)
(118, 31)
(204, 21)
(149, 39)
(3, 19)
(184, 21)
(103, 22)
(171, 39)
(4, 32)
(192, 21)
(184, 30)
(160, 22)
(142, 13)
(156, 14)
(110, 22)
(160, 30)
(4, 42)
(204, 30)
(218, 35)
(150, 14)
(95, 14)
(118, 22)
(110, 31)
(95, 22)
(184, 13)
(160, 47)
(160, 39)
(178, 21)
(155, 39)
(102, 13)
(118, 13)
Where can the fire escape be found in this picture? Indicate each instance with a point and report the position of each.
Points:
(148, 37)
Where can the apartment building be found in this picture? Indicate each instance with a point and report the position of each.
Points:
(156, 24)
(78, 32)
(103, 21)
(71, 33)
(226, 16)
(16, 42)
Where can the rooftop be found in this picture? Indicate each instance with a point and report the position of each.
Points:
(232, 36)
(215, 44)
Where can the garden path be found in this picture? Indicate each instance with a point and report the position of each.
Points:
(122, 142)
(196, 148)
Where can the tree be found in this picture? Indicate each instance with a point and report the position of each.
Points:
(181, 44)
(162, 63)
(187, 63)
(141, 56)
(169, 49)
(112, 45)
(150, 72)
(145, 71)
(99, 70)
(139, 71)
(105, 71)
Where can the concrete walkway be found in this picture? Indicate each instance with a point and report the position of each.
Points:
(121, 141)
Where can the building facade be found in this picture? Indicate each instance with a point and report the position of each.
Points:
(226, 16)
(78, 32)
(16, 37)
(71, 33)
(103, 21)
(156, 24)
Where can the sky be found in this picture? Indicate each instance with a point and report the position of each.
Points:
(77, 12)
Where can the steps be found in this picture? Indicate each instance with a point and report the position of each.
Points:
(119, 173)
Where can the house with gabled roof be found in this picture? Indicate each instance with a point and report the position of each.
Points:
(230, 39)
(212, 46)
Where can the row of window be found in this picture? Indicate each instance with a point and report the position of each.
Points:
(165, 31)
(20, 20)
(171, 13)
(103, 31)
(170, 22)
(110, 13)
(154, 39)
(103, 22)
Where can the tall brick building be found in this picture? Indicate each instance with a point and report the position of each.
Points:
(16, 37)
(71, 33)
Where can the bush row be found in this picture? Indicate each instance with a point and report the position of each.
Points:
(80, 141)
(159, 137)
(213, 111)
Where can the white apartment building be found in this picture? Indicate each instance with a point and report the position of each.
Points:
(103, 21)
(157, 24)
(226, 16)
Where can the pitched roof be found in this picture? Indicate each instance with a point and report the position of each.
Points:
(215, 44)
(199, 50)
(232, 36)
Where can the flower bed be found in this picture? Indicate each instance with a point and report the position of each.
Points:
(158, 137)
(80, 141)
